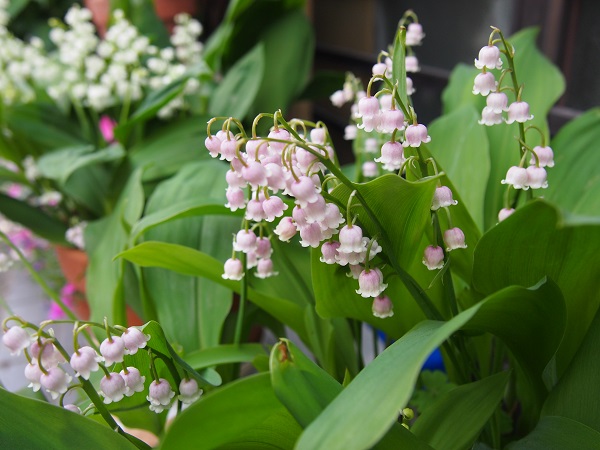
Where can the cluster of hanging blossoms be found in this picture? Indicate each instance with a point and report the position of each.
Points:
(284, 177)
(55, 371)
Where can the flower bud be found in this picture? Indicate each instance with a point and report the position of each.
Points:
(233, 269)
(442, 198)
(433, 257)
(16, 339)
(189, 391)
(382, 307)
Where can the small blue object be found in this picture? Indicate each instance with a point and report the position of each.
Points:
(434, 361)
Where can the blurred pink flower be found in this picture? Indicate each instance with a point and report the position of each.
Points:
(107, 126)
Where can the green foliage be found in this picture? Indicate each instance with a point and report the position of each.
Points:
(433, 384)
(26, 423)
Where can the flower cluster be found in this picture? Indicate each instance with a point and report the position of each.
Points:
(519, 177)
(52, 369)
(103, 73)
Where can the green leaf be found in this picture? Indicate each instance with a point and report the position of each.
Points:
(159, 343)
(285, 59)
(399, 64)
(224, 354)
(165, 151)
(26, 423)
(235, 94)
(577, 390)
(13, 177)
(456, 419)
(192, 262)
(108, 237)
(361, 414)
(574, 184)
(460, 145)
(558, 433)
(459, 91)
(536, 242)
(245, 413)
(60, 164)
(191, 310)
(33, 218)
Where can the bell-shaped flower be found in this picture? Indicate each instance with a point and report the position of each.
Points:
(311, 235)
(33, 374)
(382, 307)
(273, 208)
(134, 381)
(391, 120)
(55, 381)
(286, 229)
(245, 241)
(160, 395)
(263, 247)
(433, 257)
(545, 156)
(518, 112)
(351, 239)
(16, 339)
(134, 339)
(264, 268)
(442, 198)
(414, 34)
(370, 283)
(489, 117)
(497, 102)
(369, 169)
(412, 64)
(379, 69)
(537, 177)
(112, 350)
(255, 174)
(517, 177)
(489, 57)
(350, 132)
(112, 387)
(189, 391)
(255, 210)
(85, 361)
(73, 408)
(484, 83)
(454, 238)
(50, 357)
(392, 156)
(281, 134)
(415, 135)
(236, 198)
(504, 213)
(329, 252)
(304, 190)
(233, 269)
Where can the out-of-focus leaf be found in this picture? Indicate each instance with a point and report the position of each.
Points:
(224, 354)
(574, 183)
(33, 218)
(558, 433)
(235, 94)
(456, 419)
(60, 164)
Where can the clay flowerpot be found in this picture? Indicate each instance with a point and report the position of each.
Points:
(166, 10)
(73, 264)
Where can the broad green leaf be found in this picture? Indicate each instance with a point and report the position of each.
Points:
(31, 424)
(360, 415)
(188, 261)
(164, 152)
(558, 433)
(460, 145)
(235, 94)
(536, 242)
(306, 389)
(577, 390)
(33, 218)
(574, 183)
(456, 419)
(285, 59)
(245, 413)
(13, 177)
(107, 238)
(224, 354)
(235, 8)
(191, 310)
(159, 343)
(459, 91)
(60, 164)
(187, 208)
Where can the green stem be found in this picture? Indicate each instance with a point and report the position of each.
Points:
(242, 305)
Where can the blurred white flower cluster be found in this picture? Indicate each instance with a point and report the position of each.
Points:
(95, 73)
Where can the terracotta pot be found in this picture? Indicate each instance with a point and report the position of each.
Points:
(165, 9)
(73, 264)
